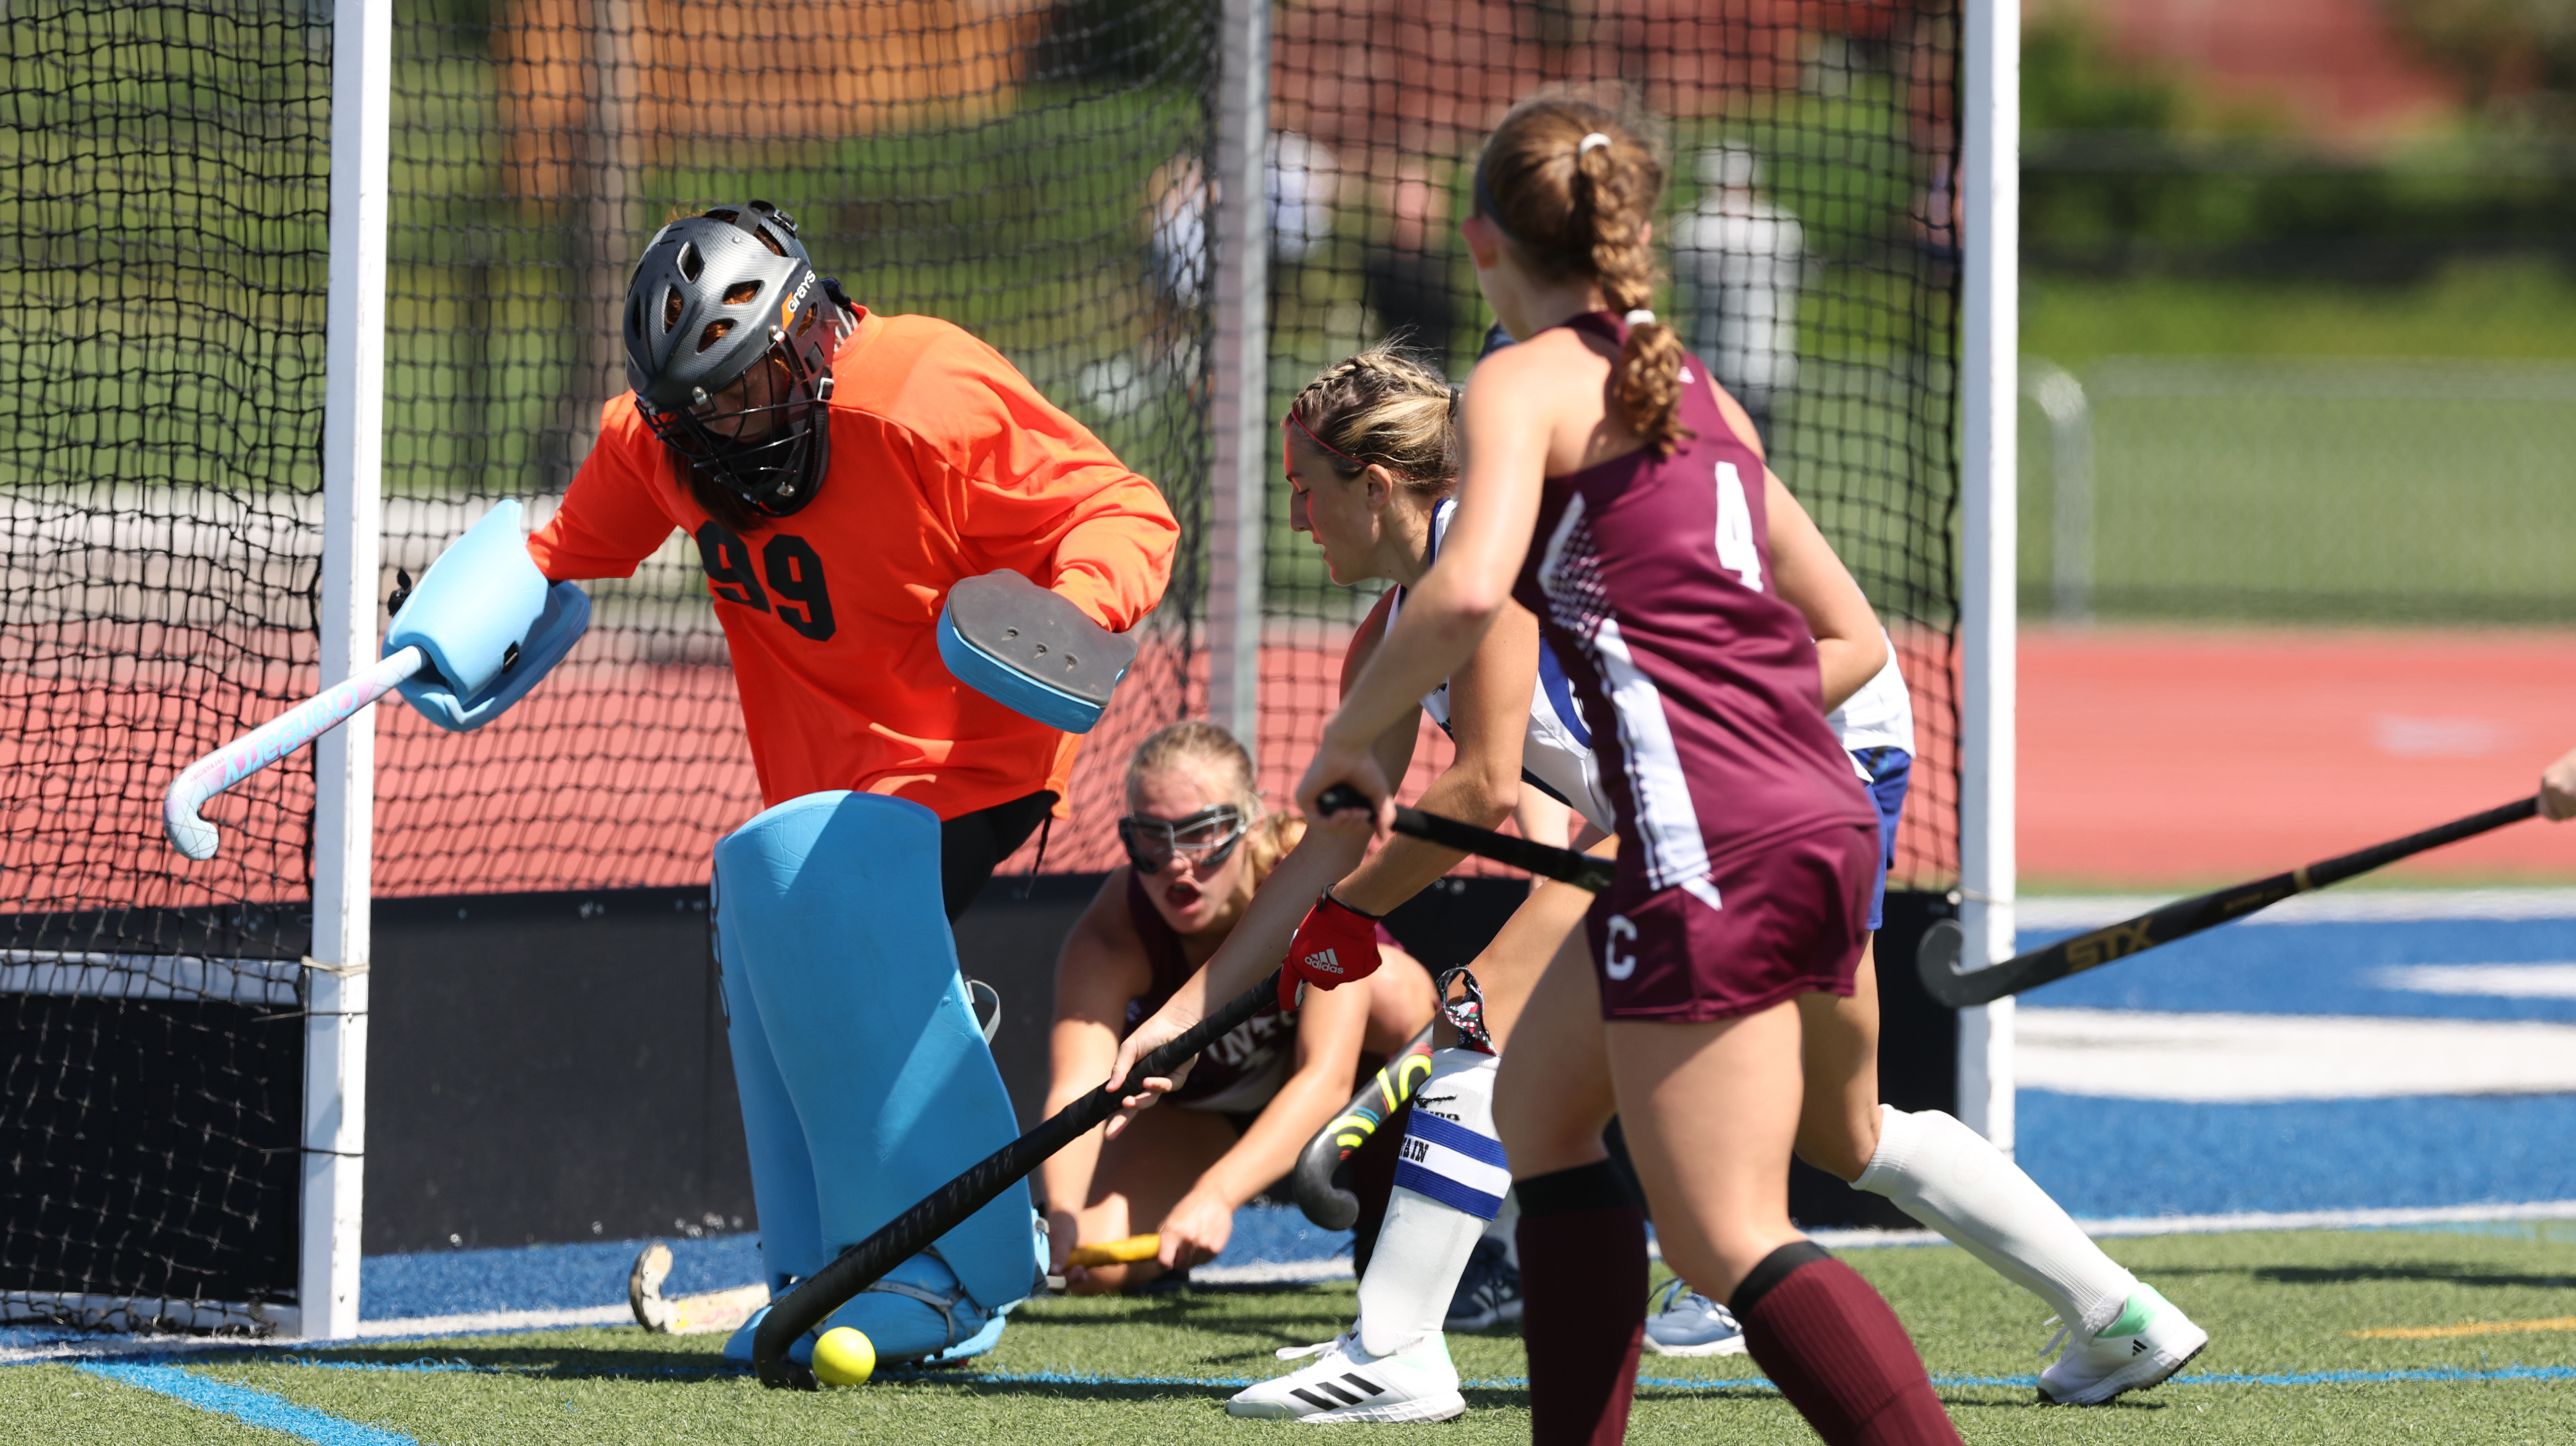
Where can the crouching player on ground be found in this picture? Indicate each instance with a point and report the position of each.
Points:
(845, 477)
(1199, 842)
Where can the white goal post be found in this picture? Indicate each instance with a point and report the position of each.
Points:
(1989, 395)
(344, 763)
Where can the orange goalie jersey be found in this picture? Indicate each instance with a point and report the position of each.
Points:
(945, 464)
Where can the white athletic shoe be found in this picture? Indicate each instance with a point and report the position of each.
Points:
(1349, 1384)
(2149, 1342)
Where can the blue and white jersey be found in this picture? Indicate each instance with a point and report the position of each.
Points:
(1556, 757)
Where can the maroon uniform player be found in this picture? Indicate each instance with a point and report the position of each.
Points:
(1605, 485)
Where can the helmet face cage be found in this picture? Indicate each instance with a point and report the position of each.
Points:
(715, 299)
(772, 454)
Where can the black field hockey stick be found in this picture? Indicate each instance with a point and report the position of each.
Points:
(947, 1207)
(1311, 1181)
(1547, 861)
(1937, 958)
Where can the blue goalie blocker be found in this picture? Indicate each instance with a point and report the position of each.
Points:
(865, 1080)
(1033, 651)
(489, 621)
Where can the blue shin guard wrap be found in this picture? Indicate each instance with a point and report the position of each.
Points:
(1450, 1152)
(829, 913)
(489, 621)
(1033, 651)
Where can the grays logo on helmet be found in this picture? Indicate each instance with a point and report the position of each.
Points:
(729, 343)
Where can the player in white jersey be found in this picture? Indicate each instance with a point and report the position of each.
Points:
(1371, 457)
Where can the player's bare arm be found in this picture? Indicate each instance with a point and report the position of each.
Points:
(1489, 700)
(1102, 966)
(1850, 648)
(1330, 1025)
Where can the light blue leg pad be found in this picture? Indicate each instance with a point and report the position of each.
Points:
(782, 1175)
(489, 621)
(829, 910)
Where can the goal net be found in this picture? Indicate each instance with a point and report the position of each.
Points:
(164, 177)
(1809, 241)
(1038, 171)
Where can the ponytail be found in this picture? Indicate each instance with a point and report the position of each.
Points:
(1575, 190)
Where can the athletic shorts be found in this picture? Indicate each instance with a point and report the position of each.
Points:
(1790, 919)
(1890, 769)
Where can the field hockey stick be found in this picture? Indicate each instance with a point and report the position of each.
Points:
(1116, 1252)
(1937, 958)
(1545, 860)
(269, 742)
(1311, 1182)
(945, 1208)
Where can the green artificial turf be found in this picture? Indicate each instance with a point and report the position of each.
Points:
(1119, 1371)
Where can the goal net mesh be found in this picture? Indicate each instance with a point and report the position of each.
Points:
(1037, 171)
(1808, 240)
(164, 199)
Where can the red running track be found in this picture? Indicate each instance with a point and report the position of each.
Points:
(2162, 759)
(2148, 760)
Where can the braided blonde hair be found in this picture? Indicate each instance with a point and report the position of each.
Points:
(1267, 836)
(1387, 407)
(1582, 211)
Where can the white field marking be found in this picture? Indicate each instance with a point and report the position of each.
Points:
(2330, 906)
(2555, 980)
(2242, 1058)
(2400, 737)
(1273, 1272)
(2243, 1221)
(496, 1320)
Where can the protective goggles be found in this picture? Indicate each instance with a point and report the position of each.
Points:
(1205, 838)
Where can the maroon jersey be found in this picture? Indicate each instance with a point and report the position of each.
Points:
(1241, 1071)
(1652, 579)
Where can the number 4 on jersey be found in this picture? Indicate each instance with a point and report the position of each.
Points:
(1736, 551)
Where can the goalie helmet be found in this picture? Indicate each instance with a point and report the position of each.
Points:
(729, 342)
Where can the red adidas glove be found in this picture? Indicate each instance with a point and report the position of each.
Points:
(1335, 945)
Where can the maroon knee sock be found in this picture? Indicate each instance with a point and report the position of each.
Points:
(1583, 1280)
(1832, 1346)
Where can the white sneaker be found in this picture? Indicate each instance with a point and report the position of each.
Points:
(1349, 1384)
(2149, 1342)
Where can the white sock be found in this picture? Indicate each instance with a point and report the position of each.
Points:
(1949, 1177)
(1450, 1181)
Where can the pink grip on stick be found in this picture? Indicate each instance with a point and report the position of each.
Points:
(269, 742)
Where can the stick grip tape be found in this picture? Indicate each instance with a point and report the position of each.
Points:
(1116, 1252)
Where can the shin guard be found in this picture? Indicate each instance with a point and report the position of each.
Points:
(828, 909)
(1449, 1181)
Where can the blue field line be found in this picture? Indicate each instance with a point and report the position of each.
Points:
(258, 1408)
(1760, 1383)
(216, 1396)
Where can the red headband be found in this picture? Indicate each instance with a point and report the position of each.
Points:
(1318, 441)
